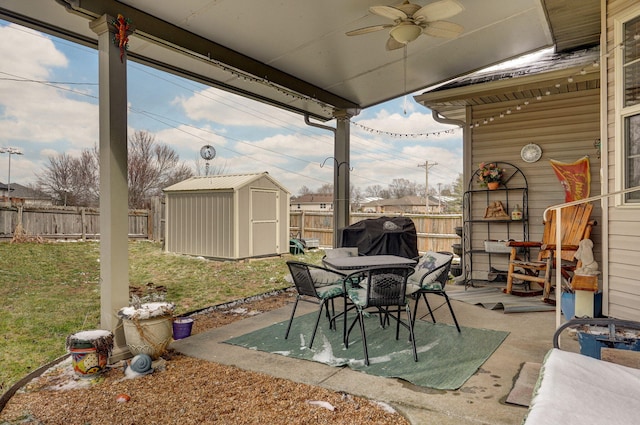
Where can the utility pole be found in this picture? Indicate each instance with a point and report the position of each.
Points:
(426, 166)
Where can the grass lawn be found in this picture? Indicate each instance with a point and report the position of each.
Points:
(51, 290)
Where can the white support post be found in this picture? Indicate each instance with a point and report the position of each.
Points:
(114, 260)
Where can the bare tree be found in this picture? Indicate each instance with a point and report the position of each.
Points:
(152, 167)
(72, 181)
(457, 192)
(326, 189)
(214, 169)
(402, 187)
(373, 191)
(356, 198)
(304, 190)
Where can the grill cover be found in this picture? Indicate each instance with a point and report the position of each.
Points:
(382, 236)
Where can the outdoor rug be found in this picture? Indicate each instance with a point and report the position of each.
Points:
(493, 298)
(523, 387)
(446, 358)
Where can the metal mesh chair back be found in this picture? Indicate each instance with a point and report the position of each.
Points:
(302, 279)
(386, 286)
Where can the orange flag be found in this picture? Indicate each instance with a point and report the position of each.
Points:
(574, 177)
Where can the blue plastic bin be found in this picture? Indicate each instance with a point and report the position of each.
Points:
(591, 343)
(568, 305)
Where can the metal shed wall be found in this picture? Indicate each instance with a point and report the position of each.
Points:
(201, 223)
(250, 220)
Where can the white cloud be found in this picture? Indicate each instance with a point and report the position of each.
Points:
(249, 136)
(34, 113)
(229, 109)
(27, 53)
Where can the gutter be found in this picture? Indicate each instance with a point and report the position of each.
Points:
(313, 124)
(443, 120)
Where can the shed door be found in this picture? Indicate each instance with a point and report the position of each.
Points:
(264, 222)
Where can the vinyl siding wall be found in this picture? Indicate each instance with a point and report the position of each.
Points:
(565, 126)
(622, 300)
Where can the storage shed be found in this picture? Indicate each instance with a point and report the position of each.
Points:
(227, 216)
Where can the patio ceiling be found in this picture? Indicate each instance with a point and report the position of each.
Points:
(294, 54)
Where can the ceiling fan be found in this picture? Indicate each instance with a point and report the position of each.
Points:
(410, 20)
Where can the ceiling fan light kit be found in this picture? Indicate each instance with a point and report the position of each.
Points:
(405, 32)
(411, 20)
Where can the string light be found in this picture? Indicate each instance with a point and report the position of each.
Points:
(404, 135)
(508, 111)
(326, 108)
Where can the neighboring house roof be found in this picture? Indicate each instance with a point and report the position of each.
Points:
(404, 201)
(312, 198)
(220, 182)
(20, 191)
(370, 199)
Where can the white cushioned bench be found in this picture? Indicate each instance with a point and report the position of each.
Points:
(577, 389)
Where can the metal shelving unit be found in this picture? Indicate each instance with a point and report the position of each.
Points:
(514, 190)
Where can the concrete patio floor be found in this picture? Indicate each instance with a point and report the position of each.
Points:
(481, 400)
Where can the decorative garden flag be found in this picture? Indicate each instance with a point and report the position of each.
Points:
(574, 177)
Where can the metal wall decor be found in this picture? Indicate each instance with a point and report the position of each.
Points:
(531, 153)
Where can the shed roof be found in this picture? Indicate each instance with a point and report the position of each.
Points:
(313, 198)
(221, 182)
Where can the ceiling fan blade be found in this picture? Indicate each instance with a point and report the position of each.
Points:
(443, 9)
(393, 44)
(388, 12)
(367, 30)
(443, 29)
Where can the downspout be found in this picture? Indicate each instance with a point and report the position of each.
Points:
(604, 155)
(313, 124)
(443, 120)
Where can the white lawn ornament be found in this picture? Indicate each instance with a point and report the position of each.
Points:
(584, 253)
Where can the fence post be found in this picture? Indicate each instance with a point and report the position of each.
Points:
(83, 224)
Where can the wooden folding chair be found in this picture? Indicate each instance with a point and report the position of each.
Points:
(576, 226)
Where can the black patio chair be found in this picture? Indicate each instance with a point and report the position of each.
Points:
(432, 273)
(317, 285)
(383, 289)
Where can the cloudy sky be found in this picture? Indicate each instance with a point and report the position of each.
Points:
(49, 105)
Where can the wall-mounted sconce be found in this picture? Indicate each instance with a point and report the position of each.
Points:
(598, 146)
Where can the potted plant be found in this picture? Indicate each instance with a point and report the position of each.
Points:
(147, 326)
(490, 175)
(90, 351)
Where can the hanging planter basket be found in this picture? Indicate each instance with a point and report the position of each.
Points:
(90, 351)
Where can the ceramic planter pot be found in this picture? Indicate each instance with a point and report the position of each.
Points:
(90, 351)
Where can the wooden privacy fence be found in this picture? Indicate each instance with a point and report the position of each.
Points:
(436, 232)
(65, 222)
